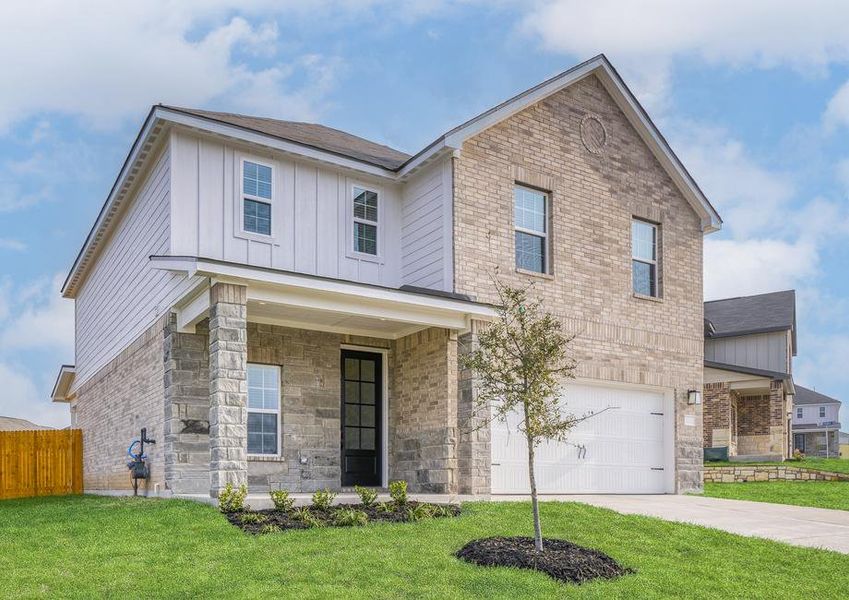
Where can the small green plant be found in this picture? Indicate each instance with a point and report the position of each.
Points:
(441, 510)
(367, 496)
(305, 516)
(231, 500)
(398, 492)
(798, 454)
(323, 499)
(269, 528)
(385, 507)
(349, 517)
(252, 517)
(281, 500)
(419, 512)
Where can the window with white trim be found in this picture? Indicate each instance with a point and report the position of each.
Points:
(530, 215)
(822, 412)
(256, 198)
(799, 413)
(644, 258)
(365, 220)
(263, 410)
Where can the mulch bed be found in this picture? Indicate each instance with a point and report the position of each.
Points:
(289, 520)
(560, 559)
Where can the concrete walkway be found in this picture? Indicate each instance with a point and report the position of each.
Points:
(797, 525)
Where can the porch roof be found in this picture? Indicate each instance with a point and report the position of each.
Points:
(290, 299)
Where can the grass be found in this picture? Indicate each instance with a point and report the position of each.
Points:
(835, 465)
(821, 494)
(85, 547)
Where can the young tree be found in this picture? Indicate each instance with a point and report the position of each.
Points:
(520, 362)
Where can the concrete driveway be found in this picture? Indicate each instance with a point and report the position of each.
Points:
(797, 525)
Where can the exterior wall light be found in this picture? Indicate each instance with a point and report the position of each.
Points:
(694, 397)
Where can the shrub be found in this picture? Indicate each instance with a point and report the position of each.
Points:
(252, 517)
(281, 500)
(269, 528)
(305, 516)
(419, 512)
(231, 500)
(398, 492)
(348, 517)
(441, 510)
(323, 499)
(367, 496)
(798, 454)
(385, 507)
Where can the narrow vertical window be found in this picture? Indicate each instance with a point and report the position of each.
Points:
(263, 410)
(256, 198)
(644, 257)
(799, 413)
(530, 215)
(365, 220)
(822, 412)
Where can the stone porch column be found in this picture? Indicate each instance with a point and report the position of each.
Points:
(716, 415)
(473, 437)
(228, 386)
(777, 419)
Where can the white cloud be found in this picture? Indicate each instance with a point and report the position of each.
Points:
(22, 398)
(43, 320)
(841, 170)
(837, 111)
(11, 244)
(644, 38)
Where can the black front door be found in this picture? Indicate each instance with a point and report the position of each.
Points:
(362, 387)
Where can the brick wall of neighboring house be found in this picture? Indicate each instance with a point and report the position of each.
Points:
(716, 415)
(423, 412)
(112, 407)
(594, 198)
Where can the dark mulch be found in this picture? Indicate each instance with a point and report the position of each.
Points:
(290, 520)
(560, 559)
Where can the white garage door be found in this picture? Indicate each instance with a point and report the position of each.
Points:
(620, 451)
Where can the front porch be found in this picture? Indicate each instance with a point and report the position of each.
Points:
(297, 389)
(817, 441)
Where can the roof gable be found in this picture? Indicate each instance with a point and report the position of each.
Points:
(747, 315)
(805, 396)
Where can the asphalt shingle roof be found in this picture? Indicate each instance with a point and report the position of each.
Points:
(805, 396)
(310, 134)
(763, 313)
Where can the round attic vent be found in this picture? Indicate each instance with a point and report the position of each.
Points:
(593, 133)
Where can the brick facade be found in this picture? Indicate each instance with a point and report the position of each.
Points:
(593, 200)
(716, 415)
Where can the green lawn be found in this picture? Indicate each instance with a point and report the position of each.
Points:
(822, 494)
(836, 465)
(87, 547)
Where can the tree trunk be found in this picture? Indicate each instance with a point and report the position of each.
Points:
(534, 502)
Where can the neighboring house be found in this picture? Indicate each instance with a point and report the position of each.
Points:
(283, 304)
(815, 423)
(15, 424)
(844, 444)
(750, 343)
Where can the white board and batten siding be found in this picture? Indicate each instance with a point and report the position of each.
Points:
(768, 351)
(123, 295)
(427, 229)
(312, 227)
(627, 449)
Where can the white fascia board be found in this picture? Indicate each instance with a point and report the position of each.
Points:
(275, 143)
(64, 380)
(194, 311)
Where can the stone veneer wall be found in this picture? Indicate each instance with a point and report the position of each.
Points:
(423, 412)
(747, 473)
(113, 406)
(593, 197)
(716, 415)
(474, 443)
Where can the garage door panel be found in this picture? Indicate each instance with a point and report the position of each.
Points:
(620, 450)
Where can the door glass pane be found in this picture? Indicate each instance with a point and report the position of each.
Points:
(367, 415)
(352, 368)
(367, 370)
(352, 414)
(352, 392)
(352, 438)
(367, 393)
(367, 439)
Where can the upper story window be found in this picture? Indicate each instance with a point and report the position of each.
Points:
(822, 412)
(644, 257)
(256, 198)
(799, 413)
(530, 214)
(365, 220)
(263, 410)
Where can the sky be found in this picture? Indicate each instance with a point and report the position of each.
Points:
(753, 97)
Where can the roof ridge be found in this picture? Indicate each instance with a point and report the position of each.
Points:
(751, 296)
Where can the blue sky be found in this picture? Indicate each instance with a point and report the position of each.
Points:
(753, 96)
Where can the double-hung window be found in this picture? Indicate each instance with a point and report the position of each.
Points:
(263, 410)
(822, 412)
(365, 220)
(799, 413)
(256, 198)
(530, 214)
(644, 258)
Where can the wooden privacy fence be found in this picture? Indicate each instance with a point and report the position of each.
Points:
(41, 463)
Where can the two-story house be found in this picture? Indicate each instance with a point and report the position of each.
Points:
(750, 343)
(283, 304)
(816, 423)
